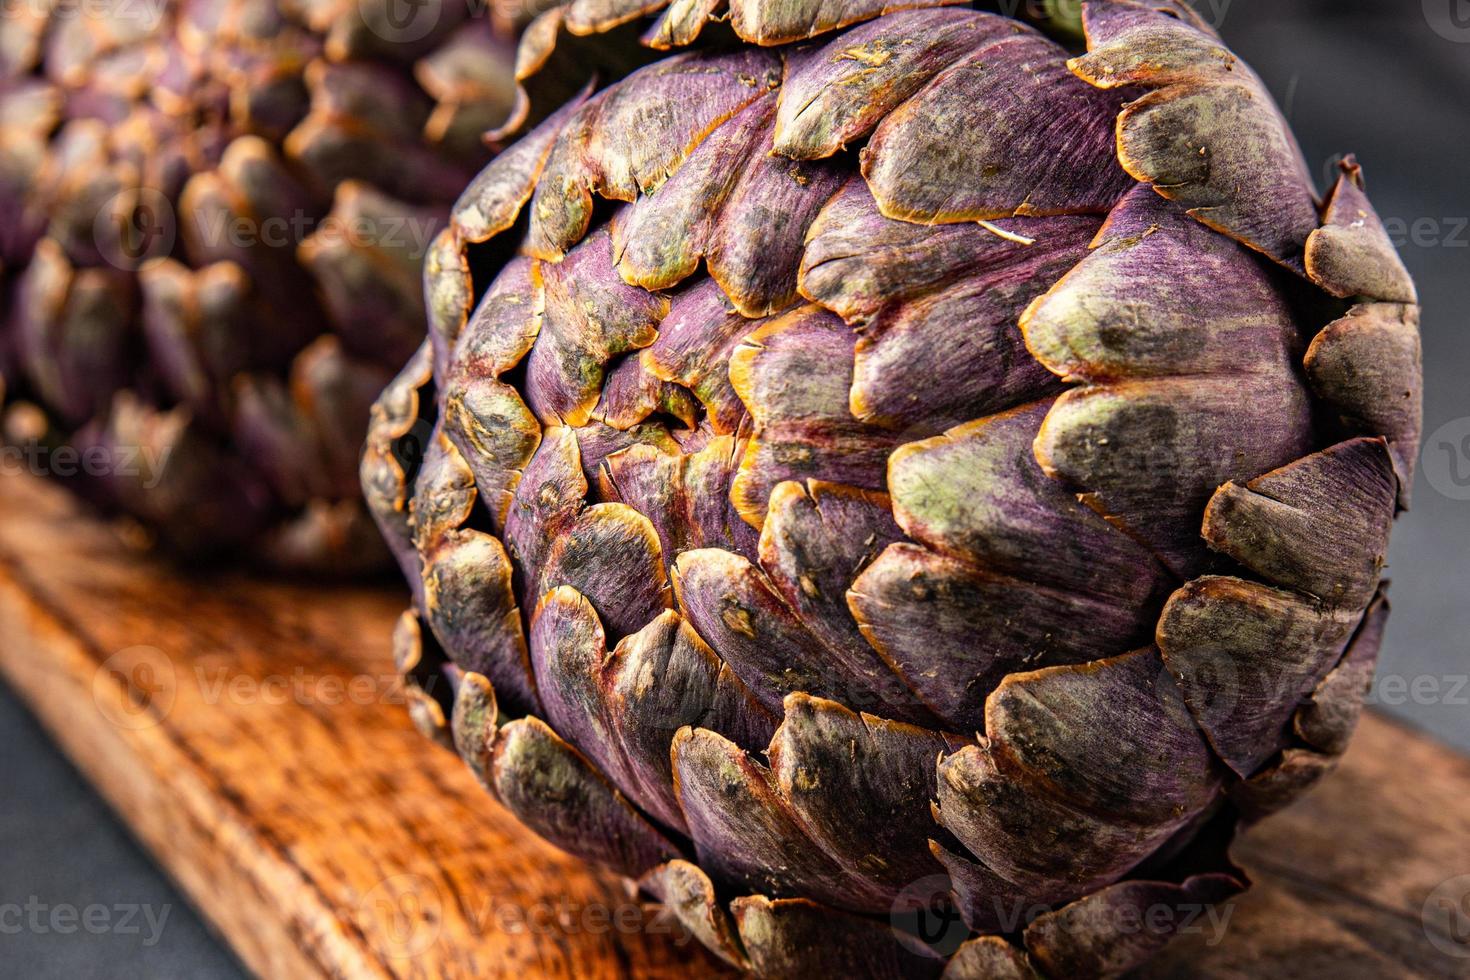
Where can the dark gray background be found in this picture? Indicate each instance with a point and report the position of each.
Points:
(1386, 79)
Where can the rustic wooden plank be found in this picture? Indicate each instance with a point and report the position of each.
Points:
(252, 736)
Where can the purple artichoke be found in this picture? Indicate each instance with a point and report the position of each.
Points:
(887, 465)
(212, 217)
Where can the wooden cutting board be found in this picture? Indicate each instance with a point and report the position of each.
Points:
(253, 736)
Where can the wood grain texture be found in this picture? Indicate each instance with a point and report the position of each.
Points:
(253, 736)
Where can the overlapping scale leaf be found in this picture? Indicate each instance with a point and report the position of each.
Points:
(558, 794)
(610, 553)
(1047, 787)
(1034, 841)
(1004, 554)
(938, 301)
(623, 709)
(70, 332)
(687, 892)
(421, 664)
(493, 200)
(745, 832)
(964, 338)
(1083, 938)
(1006, 130)
(630, 138)
(793, 376)
(693, 348)
(795, 20)
(989, 958)
(735, 607)
(757, 241)
(1366, 367)
(1351, 255)
(817, 539)
(860, 786)
(1319, 525)
(795, 937)
(1245, 655)
(977, 493)
(661, 679)
(659, 241)
(685, 494)
(1208, 135)
(1323, 724)
(485, 417)
(193, 324)
(1327, 720)
(631, 393)
(1098, 735)
(1280, 783)
(841, 92)
(590, 316)
(391, 451)
(1158, 424)
(365, 260)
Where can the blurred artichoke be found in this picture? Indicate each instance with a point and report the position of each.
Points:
(905, 471)
(212, 219)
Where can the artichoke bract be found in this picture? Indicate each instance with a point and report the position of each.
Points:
(212, 217)
(879, 465)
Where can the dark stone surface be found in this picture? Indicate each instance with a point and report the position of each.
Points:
(78, 896)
